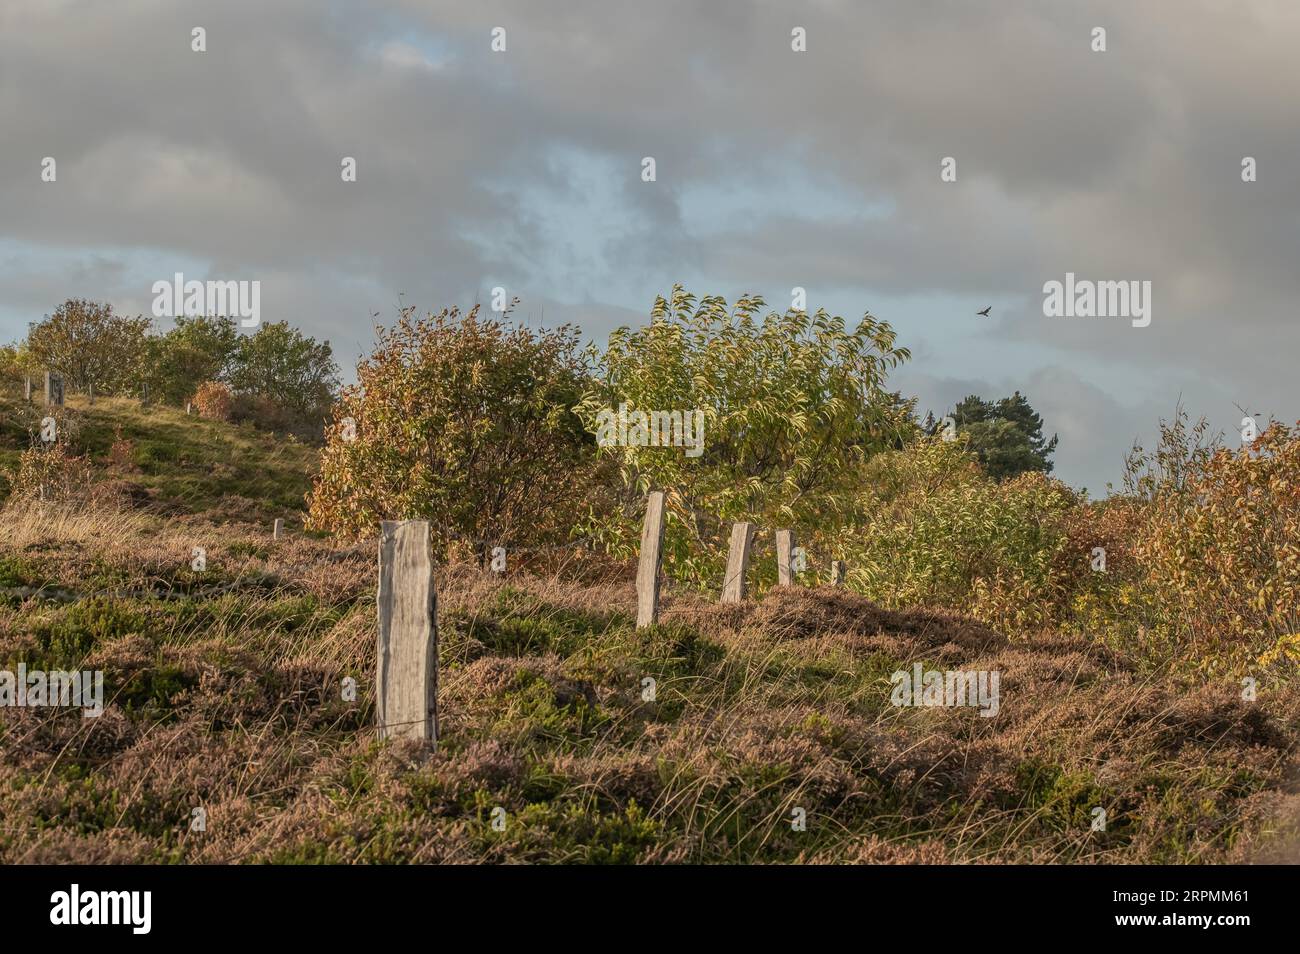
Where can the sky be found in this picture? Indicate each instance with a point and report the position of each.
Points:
(774, 169)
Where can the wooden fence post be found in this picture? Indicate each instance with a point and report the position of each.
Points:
(53, 390)
(406, 677)
(91, 392)
(647, 572)
(277, 529)
(837, 572)
(27, 390)
(733, 587)
(784, 556)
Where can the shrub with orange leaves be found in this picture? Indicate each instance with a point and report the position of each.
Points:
(465, 422)
(1221, 557)
(214, 401)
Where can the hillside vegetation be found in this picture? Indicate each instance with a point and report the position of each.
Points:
(156, 456)
(1146, 645)
(230, 702)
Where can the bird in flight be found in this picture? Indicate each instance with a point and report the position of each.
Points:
(985, 312)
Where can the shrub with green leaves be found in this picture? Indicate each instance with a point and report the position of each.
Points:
(936, 531)
(792, 404)
(200, 348)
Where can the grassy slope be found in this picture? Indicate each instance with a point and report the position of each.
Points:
(184, 464)
(230, 700)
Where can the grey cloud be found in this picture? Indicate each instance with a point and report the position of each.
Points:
(1116, 165)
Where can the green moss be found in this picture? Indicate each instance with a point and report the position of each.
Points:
(65, 639)
(17, 571)
(244, 548)
(1061, 800)
(532, 710)
(154, 692)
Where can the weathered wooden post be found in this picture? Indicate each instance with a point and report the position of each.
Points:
(647, 573)
(784, 557)
(53, 390)
(837, 572)
(189, 406)
(277, 529)
(733, 587)
(27, 389)
(144, 394)
(91, 392)
(406, 677)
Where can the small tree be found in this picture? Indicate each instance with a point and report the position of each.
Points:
(281, 368)
(792, 405)
(464, 422)
(88, 344)
(16, 363)
(197, 350)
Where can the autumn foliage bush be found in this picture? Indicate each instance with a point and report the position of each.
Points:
(214, 401)
(464, 422)
(489, 431)
(1197, 563)
(1221, 556)
(54, 466)
(121, 453)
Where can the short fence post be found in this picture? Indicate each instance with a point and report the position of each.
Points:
(733, 587)
(91, 392)
(277, 529)
(647, 573)
(837, 572)
(784, 557)
(27, 389)
(406, 676)
(53, 390)
(189, 405)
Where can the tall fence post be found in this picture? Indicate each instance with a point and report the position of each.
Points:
(733, 587)
(647, 572)
(27, 390)
(837, 572)
(406, 677)
(784, 557)
(277, 528)
(53, 390)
